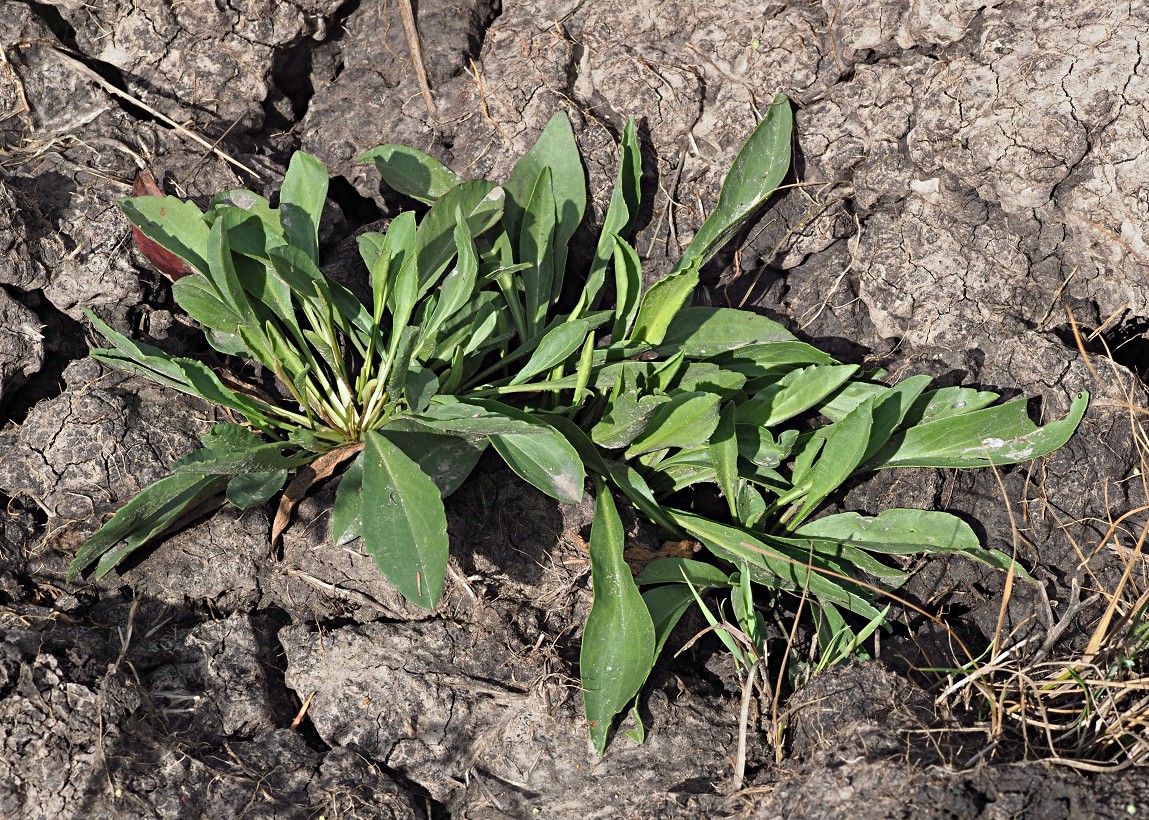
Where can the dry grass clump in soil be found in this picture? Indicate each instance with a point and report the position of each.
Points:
(1084, 705)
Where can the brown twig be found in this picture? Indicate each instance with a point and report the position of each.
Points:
(407, 13)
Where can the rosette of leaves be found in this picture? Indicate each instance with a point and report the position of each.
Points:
(465, 345)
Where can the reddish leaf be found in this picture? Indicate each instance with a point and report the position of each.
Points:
(307, 476)
(162, 259)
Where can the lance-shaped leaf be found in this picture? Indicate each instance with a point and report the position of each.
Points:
(907, 532)
(301, 203)
(660, 304)
(618, 640)
(757, 360)
(666, 605)
(176, 226)
(685, 420)
(627, 287)
(558, 345)
(347, 511)
(404, 524)
(794, 393)
(618, 224)
(143, 518)
(557, 152)
(701, 332)
(755, 174)
(775, 562)
(757, 171)
(481, 204)
(995, 435)
(724, 456)
(412, 172)
(253, 489)
(540, 455)
(843, 451)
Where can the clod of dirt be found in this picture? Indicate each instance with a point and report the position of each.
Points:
(865, 745)
(203, 62)
(478, 719)
(21, 344)
(145, 718)
(99, 443)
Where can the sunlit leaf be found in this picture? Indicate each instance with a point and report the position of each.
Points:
(412, 172)
(404, 526)
(618, 641)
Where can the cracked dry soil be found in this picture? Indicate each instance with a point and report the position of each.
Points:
(978, 170)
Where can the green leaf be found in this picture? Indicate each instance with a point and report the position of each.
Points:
(751, 506)
(412, 172)
(251, 202)
(536, 246)
(618, 641)
(301, 203)
(549, 463)
(666, 605)
(758, 360)
(347, 511)
(447, 460)
(249, 234)
(481, 204)
(558, 345)
(905, 532)
(590, 455)
(775, 563)
(186, 375)
(621, 215)
(890, 410)
(147, 515)
(173, 224)
(660, 304)
(843, 451)
(222, 275)
(198, 298)
(257, 458)
(627, 287)
(638, 492)
(253, 489)
(702, 332)
(624, 419)
(758, 446)
(541, 456)
(458, 286)
(685, 420)
(404, 525)
(306, 280)
(724, 455)
(709, 378)
(949, 401)
(673, 570)
(557, 152)
(794, 393)
(685, 468)
(419, 388)
(755, 174)
(995, 435)
(842, 403)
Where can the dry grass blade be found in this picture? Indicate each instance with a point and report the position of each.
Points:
(407, 12)
(323, 467)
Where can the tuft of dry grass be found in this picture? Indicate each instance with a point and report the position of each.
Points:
(1085, 707)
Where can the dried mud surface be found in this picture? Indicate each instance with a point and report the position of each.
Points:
(974, 169)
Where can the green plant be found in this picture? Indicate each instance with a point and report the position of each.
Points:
(464, 346)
